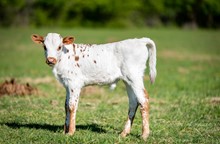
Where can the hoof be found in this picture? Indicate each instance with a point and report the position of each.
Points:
(70, 133)
(145, 136)
(123, 134)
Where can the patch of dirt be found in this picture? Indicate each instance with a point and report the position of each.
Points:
(13, 88)
(215, 100)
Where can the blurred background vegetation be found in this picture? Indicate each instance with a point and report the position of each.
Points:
(110, 13)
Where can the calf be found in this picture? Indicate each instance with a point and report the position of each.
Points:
(79, 65)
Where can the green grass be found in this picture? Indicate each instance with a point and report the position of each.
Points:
(185, 100)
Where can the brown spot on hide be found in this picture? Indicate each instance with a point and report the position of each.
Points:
(71, 90)
(77, 65)
(67, 50)
(68, 57)
(95, 61)
(72, 121)
(86, 47)
(145, 119)
(76, 58)
(146, 94)
(74, 49)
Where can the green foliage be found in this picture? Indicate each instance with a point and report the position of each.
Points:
(203, 13)
(82, 13)
(110, 13)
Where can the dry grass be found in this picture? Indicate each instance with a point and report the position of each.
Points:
(172, 54)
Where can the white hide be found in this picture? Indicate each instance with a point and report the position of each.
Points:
(105, 63)
(79, 65)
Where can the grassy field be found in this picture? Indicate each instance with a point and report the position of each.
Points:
(185, 100)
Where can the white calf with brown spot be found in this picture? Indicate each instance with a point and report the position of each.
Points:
(79, 65)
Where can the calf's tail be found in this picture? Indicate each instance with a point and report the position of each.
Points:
(152, 59)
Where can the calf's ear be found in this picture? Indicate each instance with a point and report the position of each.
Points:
(68, 40)
(37, 38)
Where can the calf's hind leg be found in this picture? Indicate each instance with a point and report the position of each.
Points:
(145, 115)
(137, 95)
(133, 105)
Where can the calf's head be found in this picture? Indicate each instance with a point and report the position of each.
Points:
(53, 44)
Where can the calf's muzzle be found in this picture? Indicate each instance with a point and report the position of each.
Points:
(51, 61)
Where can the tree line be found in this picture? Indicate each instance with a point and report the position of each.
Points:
(110, 13)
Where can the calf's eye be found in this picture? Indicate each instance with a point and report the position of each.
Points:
(59, 48)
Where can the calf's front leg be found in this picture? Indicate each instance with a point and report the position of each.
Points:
(71, 105)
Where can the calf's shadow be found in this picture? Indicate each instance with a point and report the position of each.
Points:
(55, 128)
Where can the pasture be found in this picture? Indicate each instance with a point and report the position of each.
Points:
(184, 101)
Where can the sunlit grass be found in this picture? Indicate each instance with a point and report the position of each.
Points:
(185, 103)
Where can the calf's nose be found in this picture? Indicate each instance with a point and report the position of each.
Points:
(51, 61)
